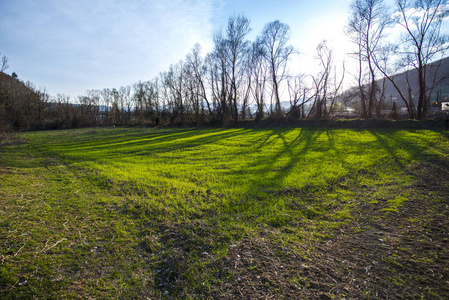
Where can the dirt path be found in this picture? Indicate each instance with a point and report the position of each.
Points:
(381, 255)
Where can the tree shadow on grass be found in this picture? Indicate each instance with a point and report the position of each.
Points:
(292, 152)
(384, 143)
(393, 141)
(145, 144)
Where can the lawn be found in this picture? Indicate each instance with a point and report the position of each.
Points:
(150, 213)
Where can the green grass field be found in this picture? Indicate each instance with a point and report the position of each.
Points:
(149, 213)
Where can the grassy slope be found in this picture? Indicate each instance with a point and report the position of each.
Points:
(112, 213)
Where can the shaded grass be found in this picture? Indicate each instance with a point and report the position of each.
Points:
(113, 213)
(61, 236)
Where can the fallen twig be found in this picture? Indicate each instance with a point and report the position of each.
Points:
(54, 245)
(15, 254)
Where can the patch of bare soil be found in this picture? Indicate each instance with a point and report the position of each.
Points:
(10, 139)
(7, 170)
(381, 255)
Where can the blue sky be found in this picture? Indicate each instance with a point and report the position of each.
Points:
(71, 46)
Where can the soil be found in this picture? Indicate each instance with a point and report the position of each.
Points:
(380, 255)
(10, 139)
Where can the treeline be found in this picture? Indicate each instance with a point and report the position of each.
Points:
(242, 79)
(238, 80)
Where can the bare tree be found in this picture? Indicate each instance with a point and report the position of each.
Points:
(227, 64)
(174, 79)
(218, 77)
(273, 42)
(64, 110)
(258, 77)
(125, 92)
(139, 101)
(94, 98)
(325, 83)
(419, 45)
(299, 96)
(106, 94)
(117, 107)
(422, 41)
(4, 64)
(366, 27)
(236, 51)
(246, 83)
(87, 110)
(198, 71)
(41, 105)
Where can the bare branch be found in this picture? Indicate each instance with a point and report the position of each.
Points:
(4, 64)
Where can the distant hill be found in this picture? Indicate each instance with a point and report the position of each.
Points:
(439, 94)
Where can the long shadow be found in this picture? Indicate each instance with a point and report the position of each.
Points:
(308, 136)
(391, 140)
(384, 143)
(265, 140)
(306, 141)
(119, 143)
(135, 146)
(95, 146)
(182, 144)
(285, 149)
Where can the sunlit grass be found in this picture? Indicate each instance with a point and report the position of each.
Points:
(234, 171)
(103, 199)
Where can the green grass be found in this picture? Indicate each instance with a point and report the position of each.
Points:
(180, 171)
(111, 213)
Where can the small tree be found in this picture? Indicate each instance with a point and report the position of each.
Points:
(325, 83)
(4, 64)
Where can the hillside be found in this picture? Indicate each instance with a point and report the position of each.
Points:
(438, 70)
(20, 103)
(8, 83)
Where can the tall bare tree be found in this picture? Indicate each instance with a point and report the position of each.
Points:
(276, 51)
(236, 50)
(227, 65)
(366, 28)
(420, 44)
(174, 79)
(258, 69)
(106, 94)
(198, 71)
(218, 77)
(299, 95)
(422, 41)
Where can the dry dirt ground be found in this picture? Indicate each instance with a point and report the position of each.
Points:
(380, 255)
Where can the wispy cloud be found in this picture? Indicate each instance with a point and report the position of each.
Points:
(106, 43)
